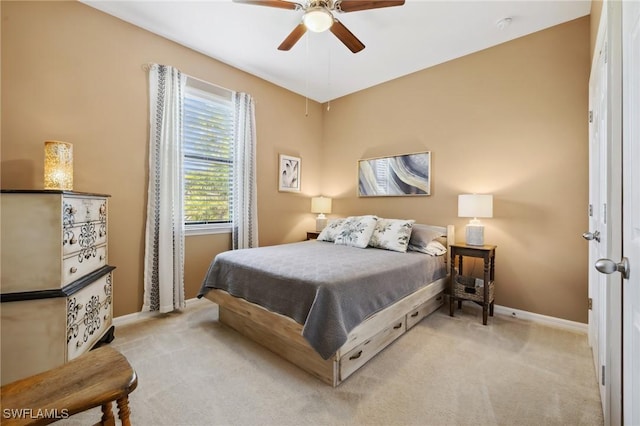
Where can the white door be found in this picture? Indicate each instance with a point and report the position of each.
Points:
(631, 211)
(597, 234)
(605, 326)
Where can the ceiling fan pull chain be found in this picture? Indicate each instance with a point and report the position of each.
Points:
(306, 99)
(329, 77)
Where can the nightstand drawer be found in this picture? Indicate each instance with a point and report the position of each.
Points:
(89, 316)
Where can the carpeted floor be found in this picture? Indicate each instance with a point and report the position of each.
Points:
(444, 371)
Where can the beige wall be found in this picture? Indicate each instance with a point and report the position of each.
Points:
(72, 73)
(596, 13)
(511, 121)
(508, 120)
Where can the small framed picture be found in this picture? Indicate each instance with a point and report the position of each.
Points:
(289, 177)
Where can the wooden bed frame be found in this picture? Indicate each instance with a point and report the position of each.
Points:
(283, 335)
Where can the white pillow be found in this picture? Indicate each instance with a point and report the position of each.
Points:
(392, 234)
(356, 231)
(434, 248)
(331, 230)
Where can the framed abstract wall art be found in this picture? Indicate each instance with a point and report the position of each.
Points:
(395, 176)
(289, 174)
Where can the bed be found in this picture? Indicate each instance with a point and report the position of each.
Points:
(348, 303)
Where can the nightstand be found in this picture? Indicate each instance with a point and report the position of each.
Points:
(312, 235)
(463, 287)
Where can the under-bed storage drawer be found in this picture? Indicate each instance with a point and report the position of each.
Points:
(423, 310)
(362, 353)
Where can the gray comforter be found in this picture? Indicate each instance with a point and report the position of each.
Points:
(327, 288)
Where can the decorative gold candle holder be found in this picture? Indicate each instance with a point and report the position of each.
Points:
(58, 165)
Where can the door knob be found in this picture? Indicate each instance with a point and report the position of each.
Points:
(608, 266)
(591, 236)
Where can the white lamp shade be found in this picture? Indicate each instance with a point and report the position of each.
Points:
(475, 205)
(320, 205)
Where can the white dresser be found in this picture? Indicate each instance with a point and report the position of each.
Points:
(55, 281)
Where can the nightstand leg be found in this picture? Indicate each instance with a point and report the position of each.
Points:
(485, 290)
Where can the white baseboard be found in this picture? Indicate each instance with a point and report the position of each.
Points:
(141, 316)
(564, 324)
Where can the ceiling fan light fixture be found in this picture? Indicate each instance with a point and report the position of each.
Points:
(317, 19)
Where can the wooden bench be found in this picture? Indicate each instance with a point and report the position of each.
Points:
(94, 379)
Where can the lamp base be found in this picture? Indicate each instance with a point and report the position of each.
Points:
(474, 235)
(321, 223)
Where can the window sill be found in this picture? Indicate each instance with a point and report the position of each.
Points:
(206, 229)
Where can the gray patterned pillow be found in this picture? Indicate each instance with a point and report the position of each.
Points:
(331, 230)
(356, 231)
(392, 234)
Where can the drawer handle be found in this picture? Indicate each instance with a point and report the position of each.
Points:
(415, 314)
(73, 270)
(79, 343)
(356, 356)
(101, 257)
(395, 327)
(439, 298)
(73, 241)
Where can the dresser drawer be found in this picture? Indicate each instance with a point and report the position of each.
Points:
(82, 263)
(76, 210)
(83, 237)
(362, 353)
(89, 316)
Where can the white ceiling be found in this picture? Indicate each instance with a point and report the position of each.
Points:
(399, 40)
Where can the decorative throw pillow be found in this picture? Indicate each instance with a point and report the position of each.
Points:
(356, 231)
(392, 234)
(331, 230)
(435, 248)
(421, 235)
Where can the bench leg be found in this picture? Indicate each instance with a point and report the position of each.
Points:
(107, 415)
(123, 411)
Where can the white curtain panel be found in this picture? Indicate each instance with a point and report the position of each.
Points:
(245, 201)
(164, 242)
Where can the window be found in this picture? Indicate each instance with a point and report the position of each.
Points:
(208, 126)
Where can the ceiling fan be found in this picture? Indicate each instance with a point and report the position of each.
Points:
(318, 17)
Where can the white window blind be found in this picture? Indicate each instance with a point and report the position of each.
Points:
(208, 156)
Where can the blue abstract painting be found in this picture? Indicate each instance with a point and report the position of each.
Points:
(400, 175)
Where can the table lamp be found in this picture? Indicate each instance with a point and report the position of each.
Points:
(58, 165)
(475, 206)
(321, 205)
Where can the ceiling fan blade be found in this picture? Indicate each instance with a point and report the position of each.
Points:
(346, 36)
(293, 37)
(281, 4)
(356, 5)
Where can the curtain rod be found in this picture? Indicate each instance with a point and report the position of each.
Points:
(148, 65)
